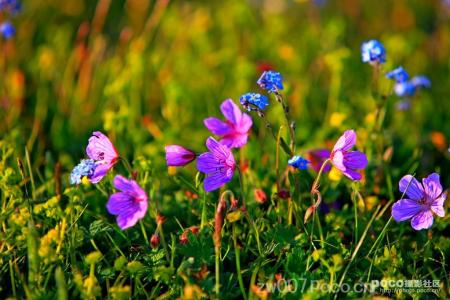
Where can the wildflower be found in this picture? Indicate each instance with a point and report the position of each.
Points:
(7, 30)
(405, 87)
(129, 205)
(154, 241)
(103, 152)
(178, 156)
(399, 75)
(348, 161)
(317, 157)
(260, 196)
(218, 164)
(85, 168)
(254, 101)
(234, 131)
(423, 201)
(11, 6)
(373, 52)
(298, 162)
(271, 81)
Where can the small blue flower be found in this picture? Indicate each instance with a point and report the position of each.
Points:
(254, 101)
(399, 75)
(7, 30)
(404, 89)
(373, 52)
(270, 81)
(298, 162)
(421, 81)
(86, 167)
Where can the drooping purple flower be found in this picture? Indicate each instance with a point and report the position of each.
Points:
(233, 131)
(103, 152)
(218, 164)
(7, 30)
(424, 200)
(348, 161)
(270, 81)
(254, 101)
(317, 157)
(298, 162)
(373, 52)
(178, 156)
(129, 205)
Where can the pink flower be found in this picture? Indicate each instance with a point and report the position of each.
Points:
(129, 205)
(234, 130)
(102, 151)
(178, 156)
(348, 161)
(425, 199)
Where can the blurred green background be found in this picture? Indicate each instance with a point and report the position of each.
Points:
(148, 72)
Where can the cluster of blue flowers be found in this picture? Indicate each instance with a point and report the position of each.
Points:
(12, 7)
(373, 52)
(86, 167)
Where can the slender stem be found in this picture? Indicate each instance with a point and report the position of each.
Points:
(203, 217)
(163, 241)
(247, 215)
(358, 246)
(317, 180)
(217, 254)
(238, 264)
(380, 236)
(283, 144)
(286, 115)
(144, 233)
(127, 165)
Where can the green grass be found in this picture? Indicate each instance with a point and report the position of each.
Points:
(147, 74)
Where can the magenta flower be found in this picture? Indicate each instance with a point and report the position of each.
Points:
(218, 164)
(129, 205)
(348, 161)
(102, 151)
(178, 156)
(424, 200)
(317, 157)
(233, 131)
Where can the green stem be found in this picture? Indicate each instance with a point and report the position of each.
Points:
(247, 215)
(238, 264)
(380, 236)
(286, 116)
(203, 217)
(283, 144)
(163, 241)
(144, 233)
(217, 287)
(127, 165)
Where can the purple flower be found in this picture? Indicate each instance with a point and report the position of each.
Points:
(178, 156)
(298, 162)
(399, 75)
(373, 52)
(218, 164)
(234, 131)
(7, 30)
(271, 81)
(423, 201)
(317, 157)
(103, 152)
(129, 205)
(254, 101)
(348, 161)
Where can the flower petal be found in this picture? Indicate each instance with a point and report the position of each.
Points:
(431, 186)
(352, 174)
(422, 220)
(346, 141)
(130, 187)
(216, 180)
(231, 111)
(338, 160)
(438, 206)
(245, 124)
(234, 140)
(355, 160)
(100, 148)
(178, 156)
(119, 203)
(100, 171)
(412, 187)
(217, 126)
(221, 152)
(405, 209)
(208, 163)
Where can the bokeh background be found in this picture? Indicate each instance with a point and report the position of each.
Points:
(150, 71)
